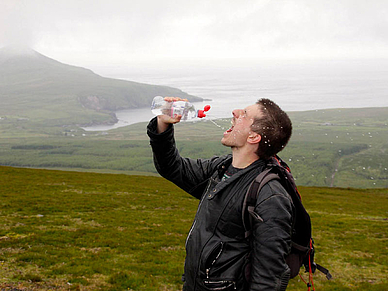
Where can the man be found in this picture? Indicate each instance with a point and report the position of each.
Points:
(218, 255)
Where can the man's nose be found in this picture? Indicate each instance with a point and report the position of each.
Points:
(236, 113)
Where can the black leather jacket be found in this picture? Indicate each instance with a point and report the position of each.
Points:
(218, 255)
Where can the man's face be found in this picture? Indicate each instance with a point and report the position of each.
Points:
(242, 120)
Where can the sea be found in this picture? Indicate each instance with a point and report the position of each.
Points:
(294, 86)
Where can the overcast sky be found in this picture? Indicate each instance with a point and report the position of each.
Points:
(85, 32)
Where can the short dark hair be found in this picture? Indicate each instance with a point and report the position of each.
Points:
(274, 126)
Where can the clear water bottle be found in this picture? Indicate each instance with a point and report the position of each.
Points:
(160, 106)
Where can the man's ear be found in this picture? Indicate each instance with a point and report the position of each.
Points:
(254, 137)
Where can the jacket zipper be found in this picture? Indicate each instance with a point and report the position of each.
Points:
(231, 283)
(215, 259)
(199, 206)
(191, 230)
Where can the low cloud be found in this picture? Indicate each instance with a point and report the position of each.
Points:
(127, 30)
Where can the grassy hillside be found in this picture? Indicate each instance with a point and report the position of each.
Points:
(87, 231)
(46, 92)
(339, 148)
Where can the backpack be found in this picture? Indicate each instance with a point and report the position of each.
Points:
(302, 245)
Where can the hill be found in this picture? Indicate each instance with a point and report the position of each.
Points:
(87, 231)
(43, 90)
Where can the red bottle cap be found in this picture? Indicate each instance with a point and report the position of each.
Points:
(201, 113)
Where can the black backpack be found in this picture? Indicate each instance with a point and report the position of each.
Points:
(302, 245)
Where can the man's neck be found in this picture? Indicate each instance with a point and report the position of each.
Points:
(242, 159)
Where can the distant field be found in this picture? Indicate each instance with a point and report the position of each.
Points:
(337, 147)
(86, 231)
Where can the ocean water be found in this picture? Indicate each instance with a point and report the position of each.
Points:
(293, 86)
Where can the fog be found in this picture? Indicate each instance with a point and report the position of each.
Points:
(135, 33)
(214, 44)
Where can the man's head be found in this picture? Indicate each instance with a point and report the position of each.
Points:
(274, 126)
(263, 127)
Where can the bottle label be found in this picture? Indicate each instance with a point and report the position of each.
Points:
(176, 109)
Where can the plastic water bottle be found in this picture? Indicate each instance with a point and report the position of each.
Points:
(160, 106)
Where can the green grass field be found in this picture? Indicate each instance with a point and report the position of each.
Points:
(87, 231)
(329, 148)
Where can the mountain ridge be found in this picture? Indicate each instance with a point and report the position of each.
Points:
(35, 86)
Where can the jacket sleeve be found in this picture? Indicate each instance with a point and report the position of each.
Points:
(189, 174)
(271, 239)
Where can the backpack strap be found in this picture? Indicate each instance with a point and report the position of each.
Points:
(324, 271)
(251, 197)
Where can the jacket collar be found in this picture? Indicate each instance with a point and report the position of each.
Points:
(228, 161)
(219, 186)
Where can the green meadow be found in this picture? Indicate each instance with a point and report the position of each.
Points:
(328, 148)
(87, 211)
(63, 230)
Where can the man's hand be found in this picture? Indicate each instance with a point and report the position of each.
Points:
(172, 99)
(164, 120)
